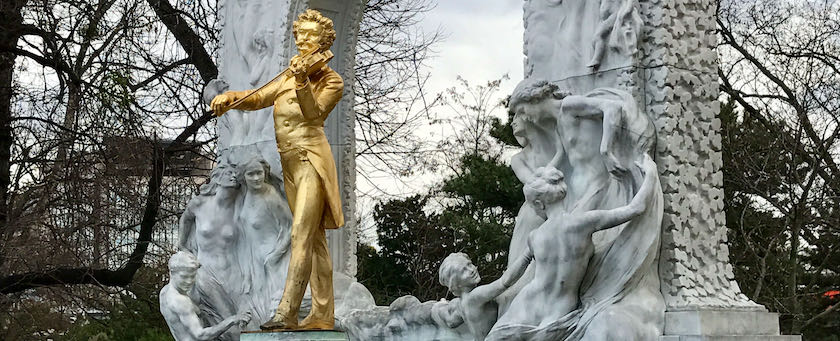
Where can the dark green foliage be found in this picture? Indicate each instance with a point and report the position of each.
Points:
(768, 200)
(412, 246)
(473, 213)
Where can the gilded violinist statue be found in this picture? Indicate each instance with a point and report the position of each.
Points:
(303, 98)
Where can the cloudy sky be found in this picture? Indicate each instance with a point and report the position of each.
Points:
(483, 41)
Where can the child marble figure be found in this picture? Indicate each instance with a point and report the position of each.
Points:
(475, 306)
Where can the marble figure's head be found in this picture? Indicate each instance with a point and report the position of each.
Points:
(533, 99)
(255, 172)
(548, 187)
(223, 175)
(182, 269)
(458, 273)
(313, 31)
(534, 91)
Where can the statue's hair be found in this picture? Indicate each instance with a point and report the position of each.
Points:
(450, 268)
(255, 160)
(532, 90)
(183, 260)
(547, 187)
(328, 31)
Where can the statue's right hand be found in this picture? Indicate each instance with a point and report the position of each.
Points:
(221, 103)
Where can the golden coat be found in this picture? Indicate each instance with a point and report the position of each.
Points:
(299, 115)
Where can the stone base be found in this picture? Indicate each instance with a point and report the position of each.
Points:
(732, 338)
(294, 335)
(723, 325)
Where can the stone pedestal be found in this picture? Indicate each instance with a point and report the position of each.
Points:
(723, 324)
(296, 335)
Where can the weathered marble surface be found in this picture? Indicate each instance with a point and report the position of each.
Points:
(319, 335)
(587, 170)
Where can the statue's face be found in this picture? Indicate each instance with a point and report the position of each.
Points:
(228, 177)
(308, 38)
(255, 176)
(468, 276)
(184, 279)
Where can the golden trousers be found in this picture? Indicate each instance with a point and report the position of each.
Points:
(310, 260)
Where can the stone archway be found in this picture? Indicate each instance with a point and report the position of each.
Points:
(256, 45)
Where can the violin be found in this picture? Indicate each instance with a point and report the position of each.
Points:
(314, 61)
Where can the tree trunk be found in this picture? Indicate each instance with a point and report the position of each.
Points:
(10, 11)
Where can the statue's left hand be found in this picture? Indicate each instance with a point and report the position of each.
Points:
(298, 68)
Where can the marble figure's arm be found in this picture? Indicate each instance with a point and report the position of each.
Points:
(612, 115)
(521, 169)
(493, 289)
(604, 219)
(186, 227)
(189, 319)
(446, 314)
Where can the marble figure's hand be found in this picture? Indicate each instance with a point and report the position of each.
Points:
(221, 103)
(647, 165)
(243, 319)
(614, 166)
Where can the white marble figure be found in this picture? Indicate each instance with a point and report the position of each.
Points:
(208, 230)
(474, 306)
(535, 129)
(264, 221)
(180, 312)
(561, 249)
(581, 43)
(598, 136)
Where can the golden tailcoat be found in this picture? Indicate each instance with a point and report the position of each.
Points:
(299, 115)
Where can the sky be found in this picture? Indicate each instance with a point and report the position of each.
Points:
(482, 42)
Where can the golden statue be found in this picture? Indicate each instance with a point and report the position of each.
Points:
(303, 97)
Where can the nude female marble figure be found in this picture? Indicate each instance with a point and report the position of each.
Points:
(561, 249)
(264, 220)
(207, 229)
(534, 127)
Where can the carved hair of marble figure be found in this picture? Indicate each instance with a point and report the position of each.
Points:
(546, 188)
(533, 90)
(183, 260)
(452, 272)
(328, 33)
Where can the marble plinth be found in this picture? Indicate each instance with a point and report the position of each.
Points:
(295, 335)
(723, 325)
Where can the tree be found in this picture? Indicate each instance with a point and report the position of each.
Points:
(779, 70)
(390, 103)
(472, 210)
(88, 83)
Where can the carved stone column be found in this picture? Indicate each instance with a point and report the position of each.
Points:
(680, 91)
(673, 76)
